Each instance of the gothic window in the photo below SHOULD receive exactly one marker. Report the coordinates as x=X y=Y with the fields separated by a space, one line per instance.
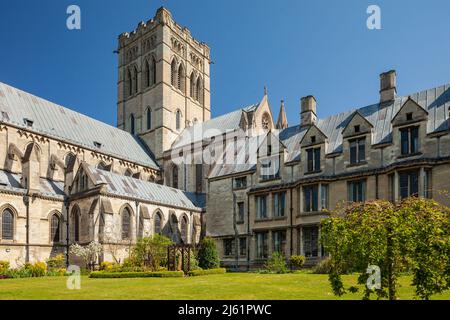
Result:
x=174 y=73
x=184 y=229
x=157 y=223
x=76 y=224
x=199 y=93
x=128 y=83
x=126 y=224
x=198 y=177
x=102 y=166
x=193 y=86
x=265 y=122
x=178 y=120
x=132 y=124
x=70 y=162
x=175 y=177
x=181 y=77
x=135 y=80
x=153 y=71
x=128 y=173
x=149 y=119
x=147 y=74
x=7 y=225
x=55 y=228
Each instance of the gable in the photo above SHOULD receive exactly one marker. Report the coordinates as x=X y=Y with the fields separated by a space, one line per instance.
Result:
x=312 y=137
x=357 y=125
x=412 y=109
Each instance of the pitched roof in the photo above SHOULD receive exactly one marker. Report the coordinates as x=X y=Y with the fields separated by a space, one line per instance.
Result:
x=48 y=118
x=120 y=185
x=207 y=129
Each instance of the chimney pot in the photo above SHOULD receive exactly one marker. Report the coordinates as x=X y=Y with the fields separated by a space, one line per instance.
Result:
x=308 y=107
x=388 y=86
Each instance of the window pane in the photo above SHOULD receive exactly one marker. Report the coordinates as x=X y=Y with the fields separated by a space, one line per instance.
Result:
x=414 y=140
x=404 y=141
x=404 y=185
x=352 y=152
x=310 y=160
x=414 y=184
x=361 y=150
x=7 y=225
x=317 y=159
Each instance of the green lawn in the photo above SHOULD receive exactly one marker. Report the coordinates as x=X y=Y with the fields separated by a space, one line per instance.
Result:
x=227 y=286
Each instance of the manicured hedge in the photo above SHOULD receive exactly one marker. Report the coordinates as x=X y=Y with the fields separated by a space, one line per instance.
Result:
x=160 y=274
x=200 y=272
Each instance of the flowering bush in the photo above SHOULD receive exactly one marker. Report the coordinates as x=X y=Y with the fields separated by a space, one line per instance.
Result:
x=89 y=253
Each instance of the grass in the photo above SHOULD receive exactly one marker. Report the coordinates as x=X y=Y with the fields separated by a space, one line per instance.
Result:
x=238 y=286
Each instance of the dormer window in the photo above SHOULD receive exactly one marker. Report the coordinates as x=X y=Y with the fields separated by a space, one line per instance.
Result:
x=28 y=122
x=97 y=144
x=409 y=116
x=409 y=140
x=357 y=129
x=313 y=160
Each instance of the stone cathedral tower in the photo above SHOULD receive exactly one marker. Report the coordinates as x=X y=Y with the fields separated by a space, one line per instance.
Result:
x=163 y=83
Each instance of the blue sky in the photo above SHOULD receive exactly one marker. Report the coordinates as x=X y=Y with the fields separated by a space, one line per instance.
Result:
x=294 y=47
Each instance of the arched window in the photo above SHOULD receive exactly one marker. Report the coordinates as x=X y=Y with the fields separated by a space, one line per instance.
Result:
x=193 y=86
x=157 y=223
x=195 y=121
x=174 y=73
x=55 y=227
x=175 y=177
x=128 y=83
x=7 y=225
x=149 y=119
x=126 y=223
x=135 y=80
x=199 y=93
x=132 y=124
x=76 y=224
x=184 y=229
x=178 y=120
x=153 y=81
x=265 y=122
x=128 y=173
x=199 y=177
x=102 y=166
x=70 y=162
x=147 y=74
x=181 y=77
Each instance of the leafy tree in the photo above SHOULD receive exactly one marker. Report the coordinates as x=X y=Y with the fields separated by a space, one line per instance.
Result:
x=208 y=257
x=412 y=235
x=151 y=252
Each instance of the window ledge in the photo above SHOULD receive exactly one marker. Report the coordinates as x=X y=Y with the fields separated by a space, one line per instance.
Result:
x=312 y=172
x=358 y=164
x=403 y=156
x=240 y=188
x=269 y=179
x=240 y=222
x=280 y=218
x=263 y=219
x=312 y=213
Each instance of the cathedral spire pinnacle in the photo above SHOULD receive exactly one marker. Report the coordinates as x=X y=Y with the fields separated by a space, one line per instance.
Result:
x=282 y=119
x=265 y=91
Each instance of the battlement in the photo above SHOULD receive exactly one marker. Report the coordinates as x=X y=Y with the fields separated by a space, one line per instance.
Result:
x=163 y=17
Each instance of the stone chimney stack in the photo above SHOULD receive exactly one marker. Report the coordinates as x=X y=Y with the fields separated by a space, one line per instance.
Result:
x=308 y=115
x=388 y=86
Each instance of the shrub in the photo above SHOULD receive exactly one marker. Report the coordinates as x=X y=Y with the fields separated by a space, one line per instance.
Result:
x=276 y=263
x=89 y=253
x=194 y=262
x=159 y=274
x=38 y=269
x=208 y=257
x=57 y=272
x=57 y=262
x=323 y=267
x=151 y=252
x=297 y=261
x=200 y=272
x=107 y=266
x=4 y=266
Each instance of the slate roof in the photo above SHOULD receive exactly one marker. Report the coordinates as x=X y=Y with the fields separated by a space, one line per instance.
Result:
x=204 y=130
x=435 y=101
x=11 y=181
x=120 y=185
x=65 y=124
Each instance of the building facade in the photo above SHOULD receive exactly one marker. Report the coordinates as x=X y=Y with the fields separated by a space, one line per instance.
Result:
x=254 y=184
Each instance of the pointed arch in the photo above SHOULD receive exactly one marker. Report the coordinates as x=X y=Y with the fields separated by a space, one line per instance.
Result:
x=157 y=222
x=199 y=90
x=193 y=86
x=55 y=227
x=8 y=216
x=126 y=223
x=75 y=223
x=147 y=74
x=128 y=83
x=181 y=78
x=174 y=73
x=178 y=119
x=69 y=162
x=148 y=118
x=135 y=79
x=132 y=124
x=184 y=228
x=175 y=176
x=153 y=71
